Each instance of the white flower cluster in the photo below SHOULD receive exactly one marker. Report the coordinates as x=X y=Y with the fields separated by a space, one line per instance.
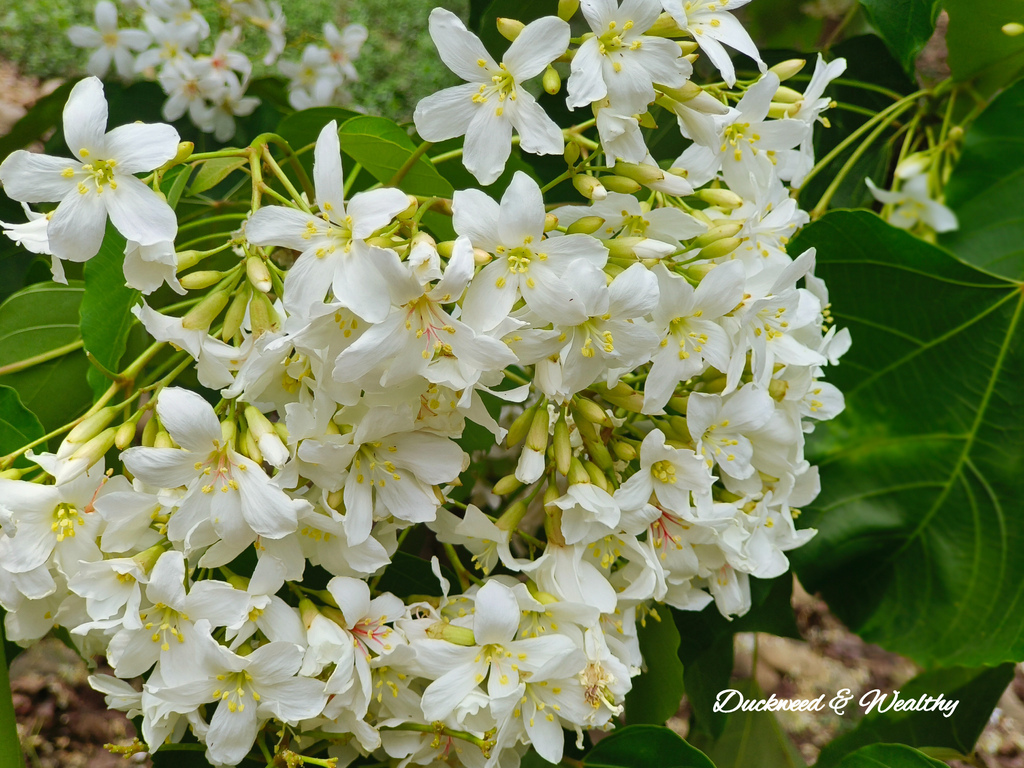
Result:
x=211 y=87
x=659 y=354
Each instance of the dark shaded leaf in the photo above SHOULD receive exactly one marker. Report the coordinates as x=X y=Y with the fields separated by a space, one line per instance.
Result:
x=643 y=746
x=656 y=693
x=904 y=25
x=18 y=425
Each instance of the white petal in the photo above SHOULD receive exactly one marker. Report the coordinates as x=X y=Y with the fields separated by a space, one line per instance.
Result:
x=34 y=178
x=328 y=177
x=459 y=48
x=139 y=213
x=76 y=230
x=475 y=215
x=189 y=419
x=521 y=219
x=540 y=42
x=286 y=227
x=586 y=84
x=446 y=114
x=375 y=209
x=488 y=144
x=538 y=133
x=138 y=147
x=85 y=118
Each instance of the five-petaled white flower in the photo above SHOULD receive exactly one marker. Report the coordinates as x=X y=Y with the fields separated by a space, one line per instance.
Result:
x=99 y=182
x=493 y=102
x=111 y=43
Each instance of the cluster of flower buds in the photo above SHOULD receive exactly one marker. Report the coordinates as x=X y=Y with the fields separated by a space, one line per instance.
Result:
x=648 y=364
x=211 y=87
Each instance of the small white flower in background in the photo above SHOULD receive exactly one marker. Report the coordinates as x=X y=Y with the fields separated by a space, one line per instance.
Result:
x=313 y=79
x=98 y=182
x=913 y=203
x=493 y=103
x=112 y=44
x=344 y=47
x=189 y=86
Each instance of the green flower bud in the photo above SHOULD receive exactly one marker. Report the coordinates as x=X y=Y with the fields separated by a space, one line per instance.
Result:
x=205 y=312
x=720 y=232
x=261 y=314
x=537 y=437
x=446 y=248
x=567 y=9
x=125 y=435
x=597 y=477
x=721 y=198
x=641 y=172
x=442 y=630
x=786 y=69
x=510 y=28
x=562 y=445
x=623 y=451
x=236 y=313
x=621 y=184
x=552 y=81
x=550 y=222
x=589 y=186
x=506 y=485
x=520 y=427
x=571 y=153
x=202 y=279
x=588 y=225
x=720 y=248
x=88 y=428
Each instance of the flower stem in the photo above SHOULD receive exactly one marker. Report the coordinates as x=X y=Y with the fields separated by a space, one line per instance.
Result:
x=409 y=163
x=42 y=357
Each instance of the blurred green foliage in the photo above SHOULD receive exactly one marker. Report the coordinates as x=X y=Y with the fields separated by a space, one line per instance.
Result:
x=398 y=65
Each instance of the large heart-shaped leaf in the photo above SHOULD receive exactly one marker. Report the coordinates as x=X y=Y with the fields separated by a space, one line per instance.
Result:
x=919 y=543
x=986 y=187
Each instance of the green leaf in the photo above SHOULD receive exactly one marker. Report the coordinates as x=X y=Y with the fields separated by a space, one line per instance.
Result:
x=18 y=425
x=44 y=115
x=213 y=172
x=977 y=45
x=39 y=319
x=178 y=185
x=382 y=146
x=904 y=25
x=657 y=693
x=751 y=739
x=889 y=756
x=706 y=644
x=105 y=311
x=976 y=690
x=918 y=539
x=986 y=187
x=643 y=746
x=410 y=575
x=301 y=128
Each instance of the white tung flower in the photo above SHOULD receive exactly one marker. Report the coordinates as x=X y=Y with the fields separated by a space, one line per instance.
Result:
x=493 y=103
x=111 y=43
x=99 y=181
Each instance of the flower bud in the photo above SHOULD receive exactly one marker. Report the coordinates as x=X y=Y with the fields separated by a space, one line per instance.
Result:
x=686 y=47
x=236 y=313
x=663 y=25
x=184 y=152
x=228 y=431
x=506 y=485
x=641 y=172
x=381 y=241
x=577 y=474
x=562 y=445
x=622 y=395
x=550 y=222
x=202 y=279
x=690 y=57
x=688 y=91
x=552 y=81
x=1013 y=28
x=308 y=611
x=725 y=199
x=149 y=432
x=567 y=9
x=12 y=474
x=258 y=274
x=621 y=184
x=678 y=403
x=786 y=69
x=778 y=111
x=88 y=428
x=571 y=152
x=520 y=427
x=445 y=248
x=598 y=453
x=266 y=437
x=510 y=28
x=188 y=259
x=778 y=388
x=716 y=233
x=787 y=95
x=250 y=448
x=591 y=412
x=588 y=225
x=589 y=186
x=481 y=257
x=553 y=517
x=205 y=312
x=623 y=247
x=597 y=477
x=96 y=448
x=408 y=213
x=442 y=630
x=512 y=516
x=262 y=316
x=720 y=248
x=623 y=450
x=537 y=436
x=125 y=435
